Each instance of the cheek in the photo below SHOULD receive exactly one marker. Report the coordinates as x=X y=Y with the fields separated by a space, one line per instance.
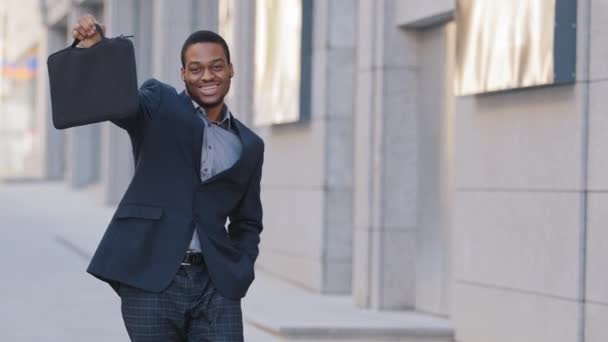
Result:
x=191 y=81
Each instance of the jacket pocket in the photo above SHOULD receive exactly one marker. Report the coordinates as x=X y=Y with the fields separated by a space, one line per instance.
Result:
x=138 y=211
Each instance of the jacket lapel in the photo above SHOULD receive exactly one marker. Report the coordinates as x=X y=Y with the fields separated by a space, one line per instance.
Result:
x=239 y=165
x=197 y=133
x=197 y=147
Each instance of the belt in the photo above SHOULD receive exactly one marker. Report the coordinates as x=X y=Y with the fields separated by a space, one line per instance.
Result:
x=193 y=258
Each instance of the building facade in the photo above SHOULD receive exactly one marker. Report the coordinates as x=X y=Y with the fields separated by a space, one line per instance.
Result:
x=20 y=133
x=488 y=210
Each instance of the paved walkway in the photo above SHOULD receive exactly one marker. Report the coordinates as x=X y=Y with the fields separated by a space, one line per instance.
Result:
x=49 y=234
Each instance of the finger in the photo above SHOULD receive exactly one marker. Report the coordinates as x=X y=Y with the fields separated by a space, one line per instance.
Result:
x=82 y=32
x=82 y=22
x=76 y=34
x=84 y=26
x=91 y=25
x=79 y=36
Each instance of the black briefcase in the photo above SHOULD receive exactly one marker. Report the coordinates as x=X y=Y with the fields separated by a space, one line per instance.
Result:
x=93 y=84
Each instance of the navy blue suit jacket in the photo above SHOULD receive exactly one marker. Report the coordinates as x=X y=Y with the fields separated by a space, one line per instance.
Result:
x=152 y=227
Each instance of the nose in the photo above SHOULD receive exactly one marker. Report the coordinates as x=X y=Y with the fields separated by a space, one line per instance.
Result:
x=207 y=75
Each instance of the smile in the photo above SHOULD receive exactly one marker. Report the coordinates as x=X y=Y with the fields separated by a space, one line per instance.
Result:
x=209 y=90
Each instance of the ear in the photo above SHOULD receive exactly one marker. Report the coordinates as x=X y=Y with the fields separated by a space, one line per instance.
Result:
x=182 y=74
x=231 y=69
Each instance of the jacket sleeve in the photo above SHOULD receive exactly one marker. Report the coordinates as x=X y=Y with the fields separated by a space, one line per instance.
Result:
x=246 y=220
x=149 y=101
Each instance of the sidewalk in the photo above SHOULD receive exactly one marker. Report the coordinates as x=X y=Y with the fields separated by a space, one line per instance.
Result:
x=292 y=314
x=49 y=235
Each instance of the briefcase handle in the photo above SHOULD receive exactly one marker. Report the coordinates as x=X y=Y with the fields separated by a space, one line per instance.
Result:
x=99 y=30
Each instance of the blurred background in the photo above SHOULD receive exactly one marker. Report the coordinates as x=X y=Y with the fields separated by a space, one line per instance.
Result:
x=435 y=170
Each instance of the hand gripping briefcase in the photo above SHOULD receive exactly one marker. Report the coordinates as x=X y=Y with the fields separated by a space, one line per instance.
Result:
x=93 y=84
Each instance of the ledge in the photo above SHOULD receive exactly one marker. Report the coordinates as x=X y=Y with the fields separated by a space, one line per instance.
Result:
x=287 y=312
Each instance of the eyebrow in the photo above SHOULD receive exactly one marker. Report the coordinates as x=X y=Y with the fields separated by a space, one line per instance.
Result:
x=219 y=59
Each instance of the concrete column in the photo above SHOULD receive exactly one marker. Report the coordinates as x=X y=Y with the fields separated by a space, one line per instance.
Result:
x=204 y=15
x=386 y=160
x=82 y=155
x=53 y=140
x=332 y=102
x=83 y=143
x=121 y=17
x=142 y=32
x=173 y=22
x=435 y=133
x=240 y=98
x=117 y=163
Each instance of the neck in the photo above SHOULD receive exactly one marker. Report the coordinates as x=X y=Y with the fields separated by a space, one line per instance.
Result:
x=214 y=113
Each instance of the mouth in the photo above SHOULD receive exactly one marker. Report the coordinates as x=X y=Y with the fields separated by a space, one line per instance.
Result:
x=209 y=90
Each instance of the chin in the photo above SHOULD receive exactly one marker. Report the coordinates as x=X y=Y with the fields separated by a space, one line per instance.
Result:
x=212 y=103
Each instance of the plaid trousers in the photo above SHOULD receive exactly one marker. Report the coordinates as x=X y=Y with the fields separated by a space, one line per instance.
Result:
x=190 y=309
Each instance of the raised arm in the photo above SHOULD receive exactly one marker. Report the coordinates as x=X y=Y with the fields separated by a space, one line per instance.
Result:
x=149 y=94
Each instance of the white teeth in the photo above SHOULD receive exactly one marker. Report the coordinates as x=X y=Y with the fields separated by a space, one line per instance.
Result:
x=209 y=90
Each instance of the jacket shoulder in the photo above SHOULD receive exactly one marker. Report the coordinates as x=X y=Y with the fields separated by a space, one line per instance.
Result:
x=255 y=138
x=152 y=93
x=157 y=86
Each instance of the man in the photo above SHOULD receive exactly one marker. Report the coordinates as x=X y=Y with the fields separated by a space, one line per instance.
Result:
x=180 y=274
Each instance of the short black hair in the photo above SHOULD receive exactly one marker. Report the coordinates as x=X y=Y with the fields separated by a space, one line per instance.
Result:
x=204 y=36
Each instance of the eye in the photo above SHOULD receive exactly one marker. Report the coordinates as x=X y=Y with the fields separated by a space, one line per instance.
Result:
x=194 y=68
x=218 y=67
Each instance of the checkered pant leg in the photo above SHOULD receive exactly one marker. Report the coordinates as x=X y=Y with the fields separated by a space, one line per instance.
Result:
x=190 y=309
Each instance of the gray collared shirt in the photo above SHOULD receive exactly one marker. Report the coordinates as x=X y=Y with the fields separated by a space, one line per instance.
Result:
x=221 y=149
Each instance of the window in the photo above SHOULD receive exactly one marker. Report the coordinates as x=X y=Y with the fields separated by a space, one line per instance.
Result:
x=513 y=44
x=282 y=61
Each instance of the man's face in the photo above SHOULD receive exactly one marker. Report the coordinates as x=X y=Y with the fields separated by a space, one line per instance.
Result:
x=207 y=74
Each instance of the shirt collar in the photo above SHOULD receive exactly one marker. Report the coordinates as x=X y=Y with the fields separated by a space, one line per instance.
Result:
x=225 y=121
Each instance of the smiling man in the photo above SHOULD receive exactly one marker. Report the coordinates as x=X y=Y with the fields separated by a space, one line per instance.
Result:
x=180 y=273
